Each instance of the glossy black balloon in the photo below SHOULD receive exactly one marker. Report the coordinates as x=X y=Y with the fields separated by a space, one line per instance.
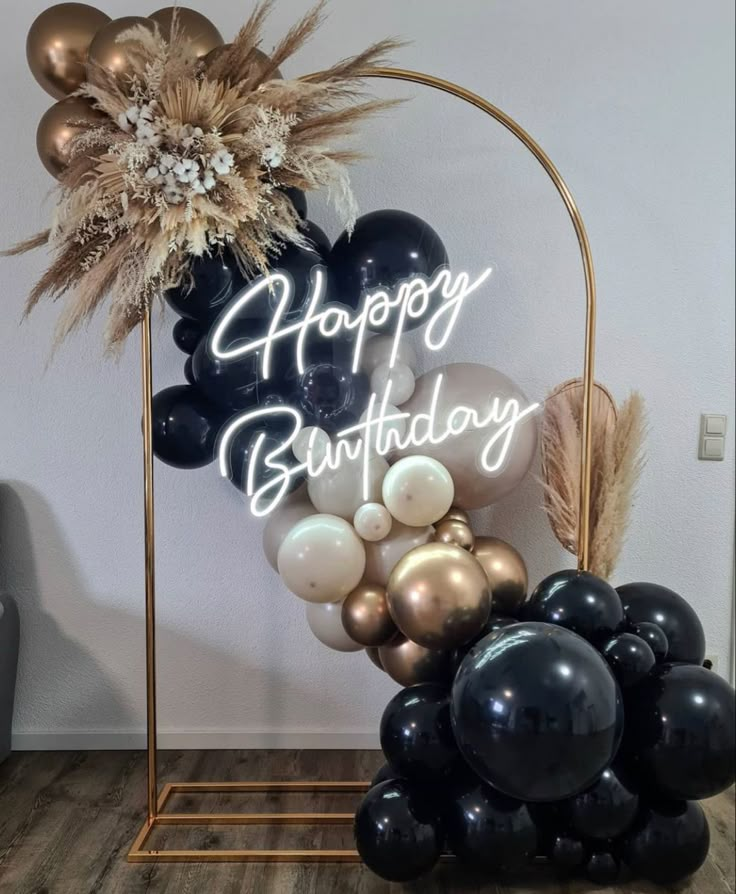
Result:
x=668 y=610
x=603 y=868
x=630 y=658
x=331 y=396
x=298 y=200
x=188 y=371
x=250 y=445
x=608 y=808
x=186 y=334
x=655 y=636
x=214 y=280
x=485 y=828
x=384 y=774
x=319 y=239
x=681 y=732
x=537 y=712
x=579 y=601
x=397 y=835
x=494 y=623
x=568 y=853
x=185 y=427
x=668 y=842
x=416 y=733
x=385 y=248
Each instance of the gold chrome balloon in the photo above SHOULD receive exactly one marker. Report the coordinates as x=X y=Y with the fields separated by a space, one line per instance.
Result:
x=452 y=531
x=55 y=131
x=372 y=653
x=105 y=49
x=57 y=44
x=506 y=573
x=438 y=596
x=365 y=616
x=408 y=663
x=456 y=514
x=199 y=30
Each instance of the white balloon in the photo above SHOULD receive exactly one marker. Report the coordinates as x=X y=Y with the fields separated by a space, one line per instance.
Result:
x=321 y=559
x=372 y=521
x=401 y=378
x=377 y=350
x=382 y=556
x=294 y=508
x=320 y=441
x=340 y=491
x=418 y=490
x=325 y=622
x=397 y=425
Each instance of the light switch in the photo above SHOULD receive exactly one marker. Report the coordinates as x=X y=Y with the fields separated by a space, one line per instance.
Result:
x=712 y=436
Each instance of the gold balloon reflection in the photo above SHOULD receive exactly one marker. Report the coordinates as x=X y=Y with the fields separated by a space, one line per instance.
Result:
x=506 y=573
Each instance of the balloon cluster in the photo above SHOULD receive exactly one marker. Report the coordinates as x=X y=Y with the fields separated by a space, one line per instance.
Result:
x=584 y=730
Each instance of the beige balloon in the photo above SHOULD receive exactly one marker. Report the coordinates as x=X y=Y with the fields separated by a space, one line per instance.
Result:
x=408 y=663
x=325 y=622
x=417 y=490
x=293 y=509
x=341 y=491
x=57 y=45
x=457 y=532
x=365 y=616
x=438 y=596
x=378 y=350
x=475 y=386
x=201 y=34
x=110 y=53
x=57 y=129
x=506 y=573
x=381 y=557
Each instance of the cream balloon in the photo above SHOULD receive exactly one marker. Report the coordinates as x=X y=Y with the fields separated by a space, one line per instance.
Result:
x=321 y=559
x=397 y=425
x=377 y=350
x=341 y=491
x=418 y=490
x=400 y=378
x=382 y=557
x=372 y=522
x=314 y=436
x=474 y=386
x=278 y=524
x=325 y=622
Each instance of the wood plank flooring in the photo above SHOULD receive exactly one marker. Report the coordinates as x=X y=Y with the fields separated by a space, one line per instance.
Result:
x=67 y=820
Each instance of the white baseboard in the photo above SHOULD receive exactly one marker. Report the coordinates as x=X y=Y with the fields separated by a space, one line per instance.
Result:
x=124 y=740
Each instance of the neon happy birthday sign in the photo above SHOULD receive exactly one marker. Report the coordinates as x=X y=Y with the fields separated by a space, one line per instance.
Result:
x=379 y=432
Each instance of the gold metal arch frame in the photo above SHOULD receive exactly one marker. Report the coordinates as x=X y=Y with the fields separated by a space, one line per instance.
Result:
x=157 y=802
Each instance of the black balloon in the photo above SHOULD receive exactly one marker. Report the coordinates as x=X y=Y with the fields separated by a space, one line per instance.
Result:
x=494 y=623
x=579 y=601
x=298 y=200
x=568 y=853
x=203 y=295
x=384 y=248
x=416 y=733
x=603 y=868
x=630 y=657
x=537 y=712
x=235 y=384
x=185 y=427
x=655 y=636
x=189 y=372
x=681 y=732
x=253 y=443
x=668 y=842
x=668 y=610
x=186 y=335
x=319 y=239
x=397 y=834
x=331 y=396
x=384 y=774
x=487 y=829
x=608 y=808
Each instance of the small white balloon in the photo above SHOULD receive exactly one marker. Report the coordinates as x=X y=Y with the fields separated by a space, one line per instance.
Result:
x=372 y=522
x=401 y=379
x=311 y=437
x=325 y=622
x=321 y=559
x=377 y=350
x=418 y=490
x=396 y=425
x=341 y=491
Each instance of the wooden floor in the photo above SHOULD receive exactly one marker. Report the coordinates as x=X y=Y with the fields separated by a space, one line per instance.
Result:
x=67 y=820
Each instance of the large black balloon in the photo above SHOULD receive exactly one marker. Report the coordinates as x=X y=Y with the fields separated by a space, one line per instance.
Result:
x=608 y=808
x=185 y=427
x=488 y=829
x=186 y=334
x=631 y=658
x=579 y=601
x=236 y=384
x=397 y=834
x=416 y=733
x=384 y=248
x=668 y=610
x=384 y=774
x=494 y=623
x=668 y=842
x=203 y=295
x=655 y=636
x=681 y=732
x=537 y=712
x=331 y=396
x=319 y=239
x=263 y=437
x=298 y=200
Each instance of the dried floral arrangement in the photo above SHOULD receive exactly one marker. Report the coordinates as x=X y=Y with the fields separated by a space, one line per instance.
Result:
x=181 y=158
x=617 y=453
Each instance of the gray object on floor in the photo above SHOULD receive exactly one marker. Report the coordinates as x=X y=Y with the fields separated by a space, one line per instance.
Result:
x=9 y=635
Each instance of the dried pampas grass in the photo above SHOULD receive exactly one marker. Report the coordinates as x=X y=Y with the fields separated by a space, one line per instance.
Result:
x=617 y=460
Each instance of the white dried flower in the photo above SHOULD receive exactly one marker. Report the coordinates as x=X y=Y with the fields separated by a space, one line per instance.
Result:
x=222 y=161
x=153 y=173
x=273 y=156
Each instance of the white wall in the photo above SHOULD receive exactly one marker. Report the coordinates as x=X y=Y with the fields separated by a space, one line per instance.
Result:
x=634 y=102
